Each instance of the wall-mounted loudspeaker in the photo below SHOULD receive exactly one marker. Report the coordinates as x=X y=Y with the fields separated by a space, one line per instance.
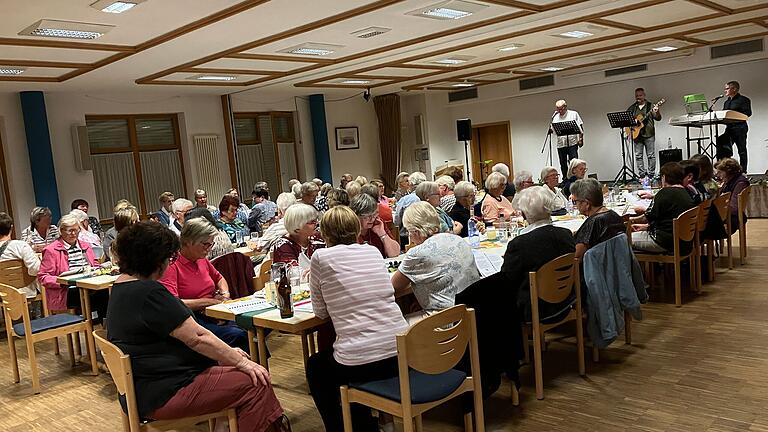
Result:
x=81 y=148
x=464 y=129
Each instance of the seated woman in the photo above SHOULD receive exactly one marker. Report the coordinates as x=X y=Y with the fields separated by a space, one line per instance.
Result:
x=538 y=243
x=347 y=279
x=494 y=203
x=550 y=179
x=696 y=190
x=734 y=181
x=403 y=186
x=301 y=225
x=523 y=180
x=440 y=266
x=18 y=250
x=221 y=243
x=68 y=253
x=577 y=169
x=445 y=186
x=231 y=224
x=86 y=234
x=372 y=229
x=465 y=193
x=40 y=233
x=373 y=189
x=706 y=174
x=180 y=369
x=111 y=234
x=652 y=231
x=93 y=222
x=337 y=197
x=601 y=223
x=277 y=229
x=123 y=218
x=429 y=192
x=193 y=279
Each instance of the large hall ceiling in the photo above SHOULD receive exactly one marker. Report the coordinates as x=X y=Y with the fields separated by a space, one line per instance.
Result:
x=162 y=44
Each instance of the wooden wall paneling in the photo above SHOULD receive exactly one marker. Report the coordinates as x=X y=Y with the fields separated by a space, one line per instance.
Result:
x=230 y=139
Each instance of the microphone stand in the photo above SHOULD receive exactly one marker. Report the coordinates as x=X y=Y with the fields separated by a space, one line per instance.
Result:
x=712 y=120
x=548 y=138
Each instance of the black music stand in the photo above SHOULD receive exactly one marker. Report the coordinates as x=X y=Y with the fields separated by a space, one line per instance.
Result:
x=566 y=128
x=620 y=120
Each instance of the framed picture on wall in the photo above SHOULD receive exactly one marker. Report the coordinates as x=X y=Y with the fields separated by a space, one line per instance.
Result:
x=347 y=138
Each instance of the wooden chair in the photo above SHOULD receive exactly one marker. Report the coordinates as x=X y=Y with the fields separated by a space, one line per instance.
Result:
x=743 y=200
x=554 y=282
x=683 y=229
x=426 y=354
x=119 y=366
x=15 y=307
x=701 y=225
x=393 y=231
x=265 y=272
x=719 y=205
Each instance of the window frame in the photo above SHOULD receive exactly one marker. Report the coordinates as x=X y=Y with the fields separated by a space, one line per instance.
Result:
x=273 y=116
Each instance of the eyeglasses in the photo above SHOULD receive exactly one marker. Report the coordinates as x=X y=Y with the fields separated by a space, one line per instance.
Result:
x=72 y=231
x=207 y=244
x=577 y=201
x=370 y=216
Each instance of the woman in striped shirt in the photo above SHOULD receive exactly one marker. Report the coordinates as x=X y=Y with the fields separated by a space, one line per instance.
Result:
x=350 y=284
x=40 y=233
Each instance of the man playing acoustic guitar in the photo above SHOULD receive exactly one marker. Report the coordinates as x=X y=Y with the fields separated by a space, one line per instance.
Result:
x=645 y=115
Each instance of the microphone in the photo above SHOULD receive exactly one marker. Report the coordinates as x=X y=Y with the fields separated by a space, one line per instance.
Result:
x=549 y=130
x=714 y=99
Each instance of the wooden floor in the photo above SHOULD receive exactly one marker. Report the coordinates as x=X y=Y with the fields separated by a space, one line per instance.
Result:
x=699 y=368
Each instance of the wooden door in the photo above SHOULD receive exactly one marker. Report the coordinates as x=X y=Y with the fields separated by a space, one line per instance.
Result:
x=491 y=144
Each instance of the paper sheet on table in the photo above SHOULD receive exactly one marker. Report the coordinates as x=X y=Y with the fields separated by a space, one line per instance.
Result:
x=635 y=201
x=487 y=264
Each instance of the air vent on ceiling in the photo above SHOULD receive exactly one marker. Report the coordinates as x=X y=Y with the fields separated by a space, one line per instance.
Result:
x=370 y=32
x=536 y=82
x=626 y=70
x=66 y=29
x=462 y=95
x=737 y=48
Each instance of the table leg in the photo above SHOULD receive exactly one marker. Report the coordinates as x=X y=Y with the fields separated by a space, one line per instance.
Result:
x=85 y=304
x=253 y=351
x=261 y=333
x=312 y=349
x=305 y=348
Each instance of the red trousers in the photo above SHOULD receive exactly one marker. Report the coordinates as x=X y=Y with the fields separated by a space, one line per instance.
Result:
x=221 y=387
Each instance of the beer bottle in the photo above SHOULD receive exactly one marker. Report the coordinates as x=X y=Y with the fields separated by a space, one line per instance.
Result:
x=284 y=294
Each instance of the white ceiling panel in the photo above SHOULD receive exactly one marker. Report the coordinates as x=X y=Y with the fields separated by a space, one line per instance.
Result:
x=42 y=72
x=661 y=14
x=736 y=4
x=267 y=65
x=736 y=31
x=185 y=76
x=52 y=54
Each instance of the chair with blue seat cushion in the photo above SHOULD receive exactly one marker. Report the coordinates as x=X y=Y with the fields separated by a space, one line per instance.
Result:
x=427 y=354
x=32 y=331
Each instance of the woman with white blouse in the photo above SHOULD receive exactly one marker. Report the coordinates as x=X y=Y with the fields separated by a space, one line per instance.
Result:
x=350 y=285
x=550 y=178
x=40 y=232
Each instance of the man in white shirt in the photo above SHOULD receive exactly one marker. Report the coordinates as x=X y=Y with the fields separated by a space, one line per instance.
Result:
x=180 y=208
x=567 y=145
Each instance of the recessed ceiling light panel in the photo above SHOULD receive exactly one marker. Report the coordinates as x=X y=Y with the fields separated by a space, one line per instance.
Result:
x=453 y=60
x=222 y=78
x=115 y=6
x=355 y=82
x=665 y=48
x=449 y=10
x=463 y=84
x=510 y=47
x=370 y=32
x=11 y=71
x=576 y=34
x=552 y=69
x=312 y=49
x=66 y=29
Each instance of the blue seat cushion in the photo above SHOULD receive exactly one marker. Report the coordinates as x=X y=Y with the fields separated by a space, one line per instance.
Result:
x=424 y=387
x=48 y=323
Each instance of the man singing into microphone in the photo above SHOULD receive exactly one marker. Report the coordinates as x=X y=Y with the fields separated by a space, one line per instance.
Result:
x=735 y=133
x=568 y=145
x=645 y=142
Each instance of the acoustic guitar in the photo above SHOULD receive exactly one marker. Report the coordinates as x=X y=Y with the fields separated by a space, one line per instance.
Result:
x=635 y=130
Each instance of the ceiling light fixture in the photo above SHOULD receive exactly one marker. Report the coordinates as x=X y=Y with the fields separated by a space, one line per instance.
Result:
x=355 y=82
x=552 y=69
x=510 y=47
x=214 y=77
x=11 y=71
x=312 y=49
x=370 y=32
x=115 y=6
x=576 y=34
x=449 y=10
x=446 y=13
x=66 y=29
x=453 y=60
x=463 y=84
x=665 y=48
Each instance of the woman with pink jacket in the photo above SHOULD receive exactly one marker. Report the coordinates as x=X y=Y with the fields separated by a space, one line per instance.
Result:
x=66 y=253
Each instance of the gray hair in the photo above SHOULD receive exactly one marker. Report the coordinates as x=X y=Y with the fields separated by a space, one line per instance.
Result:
x=353 y=189
x=68 y=220
x=325 y=188
x=463 y=189
x=494 y=180
x=364 y=205
x=370 y=189
x=588 y=189
x=296 y=189
x=200 y=192
x=180 y=203
x=421 y=217
x=361 y=180
x=425 y=189
x=37 y=214
x=446 y=181
x=317 y=181
x=79 y=214
x=400 y=177
x=297 y=215
x=309 y=187
x=197 y=230
x=547 y=170
x=292 y=182
x=573 y=164
x=501 y=168
x=285 y=200
x=521 y=177
x=416 y=177
x=535 y=202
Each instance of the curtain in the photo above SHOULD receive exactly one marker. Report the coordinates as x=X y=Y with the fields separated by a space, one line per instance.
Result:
x=388 y=116
x=114 y=175
x=160 y=172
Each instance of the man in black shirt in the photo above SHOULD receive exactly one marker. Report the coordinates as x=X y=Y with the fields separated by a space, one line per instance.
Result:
x=735 y=133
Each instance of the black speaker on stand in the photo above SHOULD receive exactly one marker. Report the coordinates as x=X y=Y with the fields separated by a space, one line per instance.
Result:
x=464 y=133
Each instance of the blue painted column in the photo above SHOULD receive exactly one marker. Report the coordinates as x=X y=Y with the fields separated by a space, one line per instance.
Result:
x=320 y=136
x=39 y=149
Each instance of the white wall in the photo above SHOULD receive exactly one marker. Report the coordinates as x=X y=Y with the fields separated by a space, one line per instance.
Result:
x=593 y=97
x=366 y=160
x=22 y=195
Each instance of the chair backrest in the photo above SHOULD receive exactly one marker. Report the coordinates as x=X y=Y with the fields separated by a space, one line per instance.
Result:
x=684 y=226
x=119 y=365
x=705 y=208
x=14 y=303
x=553 y=282
x=744 y=199
x=237 y=270
x=15 y=273
x=436 y=344
x=265 y=273
x=721 y=205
